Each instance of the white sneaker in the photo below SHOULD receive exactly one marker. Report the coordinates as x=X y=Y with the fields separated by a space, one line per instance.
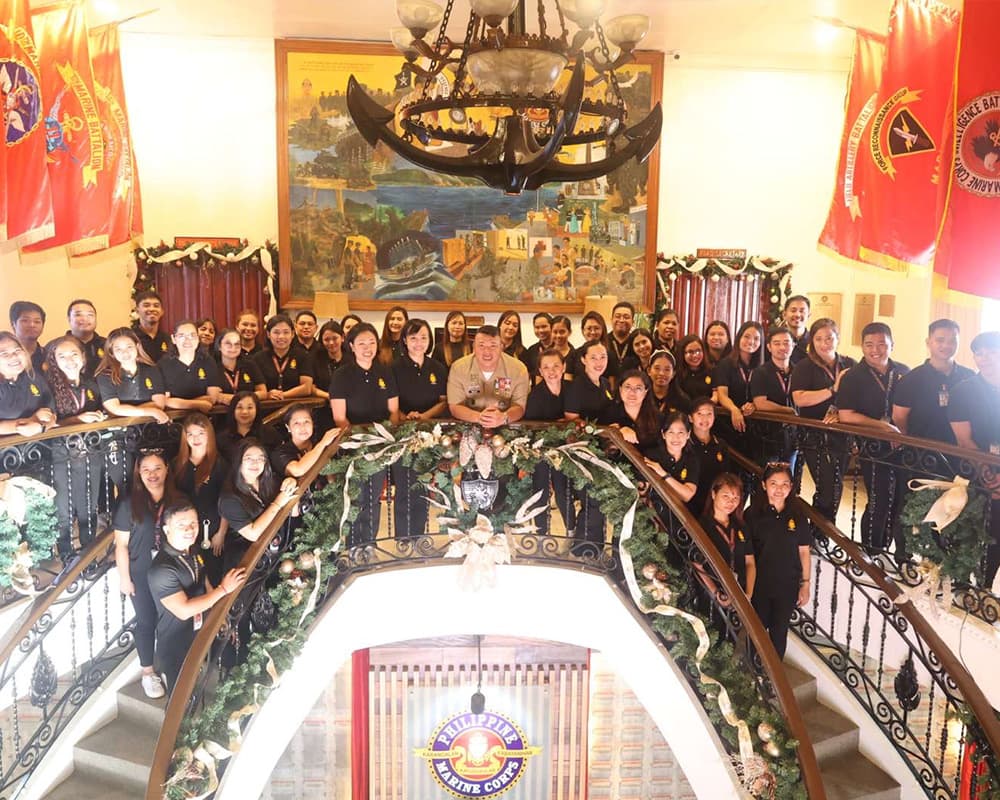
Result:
x=152 y=686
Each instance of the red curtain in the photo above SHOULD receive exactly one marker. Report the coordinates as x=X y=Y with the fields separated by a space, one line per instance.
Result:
x=699 y=300
x=360 y=665
x=220 y=292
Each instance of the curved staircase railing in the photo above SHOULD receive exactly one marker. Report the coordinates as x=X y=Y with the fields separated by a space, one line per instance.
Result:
x=892 y=459
x=882 y=649
x=194 y=685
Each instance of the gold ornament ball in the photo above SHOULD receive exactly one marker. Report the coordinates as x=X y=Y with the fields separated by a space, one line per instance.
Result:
x=448 y=453
x=765 y=731
x=307 y=561
x=446 y=441
x=287 y=565
x=772 y=749
x=497 y=441
x=774 y=298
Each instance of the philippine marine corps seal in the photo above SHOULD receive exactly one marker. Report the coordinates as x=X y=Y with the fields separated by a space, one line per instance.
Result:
x=977 y=146
x=477 y=755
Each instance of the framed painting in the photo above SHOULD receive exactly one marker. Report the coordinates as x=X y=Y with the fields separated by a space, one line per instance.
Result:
x=365 y=221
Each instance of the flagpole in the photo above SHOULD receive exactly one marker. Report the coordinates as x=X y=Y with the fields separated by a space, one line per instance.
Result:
x=120 y=22
x=837 y=22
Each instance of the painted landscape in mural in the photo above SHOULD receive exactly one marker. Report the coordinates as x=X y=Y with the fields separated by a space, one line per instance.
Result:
x=367 y=222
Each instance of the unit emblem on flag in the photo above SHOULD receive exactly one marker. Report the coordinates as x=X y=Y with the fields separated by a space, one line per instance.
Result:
x=896 y=132
x=977 y=146
x=20 y=100
x=477 y=755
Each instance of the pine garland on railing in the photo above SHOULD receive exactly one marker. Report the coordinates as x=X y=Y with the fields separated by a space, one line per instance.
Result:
x=437 y=454
x=28 y=529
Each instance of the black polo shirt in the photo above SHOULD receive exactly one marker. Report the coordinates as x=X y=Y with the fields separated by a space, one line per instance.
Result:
x=977 y=402
x=284 y=373
x=530 y=358
x=23 y=396
x=189 y=381
x=134 y=390
x=592 y=402
x=696 y=384
x=144 y=535
x=324 y=368
x=774 y=538
x=863 y=390
x=93 y=352
x=542 y=405
x=736 y=378
x=807 y=375
x=311 y=349
x=239 y=512
x=800 y=350
x=685 y=469
x=712 y=460
x=206 y=495
x=156 y=347
x=229 y=439
x=731 y=542
x=86 y=397
x=244 y=378
x=419 y=387
x=171 y=572
x=284 y=454
x=674 y=400
x=252 y=351
x=366 y=392
x=927 y=394
x=774 y=384
x=647 y=444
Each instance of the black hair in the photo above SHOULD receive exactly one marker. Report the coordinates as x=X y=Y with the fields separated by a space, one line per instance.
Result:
x=80 y=301
x=305 y=312
x=675 y=416
x=277 y=320
x=876 y=328
x=292 y=410
x=19 y=307
x=147 y=294
x=623 y=304
x=937 y=324
x=799 y=298
x=414 y=326
x=177 y=506
x=357 y=330
x=488 y=330
x=987 y=340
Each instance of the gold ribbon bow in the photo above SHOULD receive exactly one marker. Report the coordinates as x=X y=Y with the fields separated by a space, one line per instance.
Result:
x=949 y=505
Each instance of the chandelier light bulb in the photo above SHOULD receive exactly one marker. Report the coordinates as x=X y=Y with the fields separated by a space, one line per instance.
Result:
x=494 y=11
x=627 y=30
x=419 y=16
x=583 y=12
x=402 y=40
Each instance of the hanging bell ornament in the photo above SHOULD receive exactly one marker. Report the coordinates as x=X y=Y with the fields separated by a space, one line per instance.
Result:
x=497 y=441
x=307 y=561
x=287 y=566
x=772 y=749
x=765 y=731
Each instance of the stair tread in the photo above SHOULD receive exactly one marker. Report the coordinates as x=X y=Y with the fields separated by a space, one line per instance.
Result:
x=79 y=786
x=798 y=677
x=134 y=691
x=123 y=738
x=824 y=723
x=853 y=776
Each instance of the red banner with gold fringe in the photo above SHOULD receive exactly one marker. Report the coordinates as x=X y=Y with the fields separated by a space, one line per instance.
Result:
x=909 y=140
x=119 y=181
x=73 y=127
x=25 y=193
x=842 y=232
x=969 y=249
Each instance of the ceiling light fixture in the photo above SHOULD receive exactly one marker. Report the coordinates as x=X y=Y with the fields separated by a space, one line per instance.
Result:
x=510 y=76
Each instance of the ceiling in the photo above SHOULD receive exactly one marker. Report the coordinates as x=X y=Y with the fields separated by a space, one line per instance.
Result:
x=762 y=33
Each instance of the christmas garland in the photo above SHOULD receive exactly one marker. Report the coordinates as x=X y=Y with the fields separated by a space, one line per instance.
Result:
x=957 y=549
x=438 y=456
x=206 y=256
x=777 y=277
x=28 y=528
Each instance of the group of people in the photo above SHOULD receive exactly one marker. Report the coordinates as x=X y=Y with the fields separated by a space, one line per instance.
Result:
x=183 y=523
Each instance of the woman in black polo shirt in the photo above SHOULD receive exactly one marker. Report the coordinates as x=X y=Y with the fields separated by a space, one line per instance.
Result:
x=190 y=375
x=814 y=384
x=722 y=521
x=285 y=366
x=295 y=457
x=636 y=413
x=718 y=342
x=25 y=398
x=131 y=385
x=693 y=376
x=77 y=466
x=422 y=382
x=200 y=473
x=561 y=329
x=778 y=556
x=594 y=329
x=361 y=393
x=639 y=352
x=244 y=420
x=238 y=371
x=589 y=395
x=329 y=357
x=509 y=325
x=391 y=343
x=665 y=394
x=456 y=340
x=136 y=524
x=674 y=462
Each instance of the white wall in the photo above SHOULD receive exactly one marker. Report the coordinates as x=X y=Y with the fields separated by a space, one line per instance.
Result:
x=748 y=160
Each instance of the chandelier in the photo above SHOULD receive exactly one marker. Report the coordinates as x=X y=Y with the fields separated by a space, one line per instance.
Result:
x=508 y=76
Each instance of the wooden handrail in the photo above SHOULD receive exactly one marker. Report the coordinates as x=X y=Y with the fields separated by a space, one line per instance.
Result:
x=41 y=604
x=899 y=439
x=966 y=684
x=180 y=695
x=808 y=765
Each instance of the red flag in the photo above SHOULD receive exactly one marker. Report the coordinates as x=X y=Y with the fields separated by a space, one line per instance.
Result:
x=25 y=194
x=119 y=182
x=910 y=137
x=970 y=241
x=842 y=233
x=75 y=143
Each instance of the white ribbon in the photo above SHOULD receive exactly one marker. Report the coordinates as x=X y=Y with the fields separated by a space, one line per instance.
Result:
x=311 y=602
x=13 y=496
x=949 y=506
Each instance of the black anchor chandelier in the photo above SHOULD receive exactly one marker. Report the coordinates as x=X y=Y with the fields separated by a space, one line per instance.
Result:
x=512 y=74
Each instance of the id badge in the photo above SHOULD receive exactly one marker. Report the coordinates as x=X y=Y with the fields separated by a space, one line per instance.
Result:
x=943 y=398
x=197 y=621
x=995 y=449
x=473 y=390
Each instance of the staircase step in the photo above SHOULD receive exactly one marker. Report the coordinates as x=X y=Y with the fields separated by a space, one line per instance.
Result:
x=832 y=734
x=89 y=787
x=134 y=705
x=119 y=753
x=803 y=685
x=852 y=777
